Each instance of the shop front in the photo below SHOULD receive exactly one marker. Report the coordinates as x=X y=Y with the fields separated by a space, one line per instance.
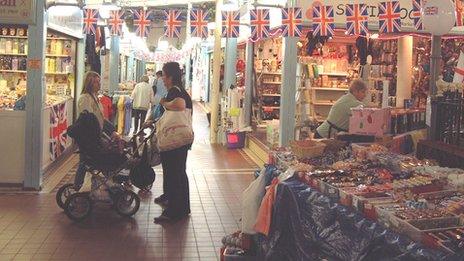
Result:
x=62 y=58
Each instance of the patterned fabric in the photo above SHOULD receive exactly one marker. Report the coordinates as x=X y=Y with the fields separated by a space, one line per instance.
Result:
x=173 y=23
x=115 y=22
x=199 y=23
x=260 y=24
x=356 y=19
x=292 y=23
x=142 y=22
x=90 y=21
x=230 y=24
x=58 y=130
x=459 y=13
x=416 y=14
x=389 y=17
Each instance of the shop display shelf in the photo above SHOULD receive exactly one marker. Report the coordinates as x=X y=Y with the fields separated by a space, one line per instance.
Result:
x=329 y=89
x=269 y=73
x=58 y=55
x=12 y=71
x=57 y=38
x=14 y=37
x=340 y=74
x=56 y=73
x=271 y=95
x=13 y=54
x=275 y=83
x=271 y=107
x=323 y=103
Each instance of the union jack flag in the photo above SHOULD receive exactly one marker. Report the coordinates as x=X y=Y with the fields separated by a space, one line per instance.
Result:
x=142 y=21
x=389 y=17
x=116 y=21
x=323 y=20
x=356 y=19
x=260 y=24
x=199 y=23
x=58 y=130
x=90 y=21
x=291 y=22
x=173 y=23
x=416 y=14
x=231 y=24
x=459 y=13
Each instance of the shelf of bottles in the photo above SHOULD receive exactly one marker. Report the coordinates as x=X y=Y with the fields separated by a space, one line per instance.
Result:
x=59 y=67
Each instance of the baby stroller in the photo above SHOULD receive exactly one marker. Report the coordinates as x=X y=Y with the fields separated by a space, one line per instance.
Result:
x=106 y=167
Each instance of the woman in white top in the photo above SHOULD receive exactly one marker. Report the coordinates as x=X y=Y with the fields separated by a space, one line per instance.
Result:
x=142 y=98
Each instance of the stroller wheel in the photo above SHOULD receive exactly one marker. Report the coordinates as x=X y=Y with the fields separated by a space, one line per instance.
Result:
x=78 y=206
x=64 y=193
x=127 y=203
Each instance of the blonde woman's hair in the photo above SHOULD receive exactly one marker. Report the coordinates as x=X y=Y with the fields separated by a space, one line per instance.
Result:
x=145 y=78
x=88 y=81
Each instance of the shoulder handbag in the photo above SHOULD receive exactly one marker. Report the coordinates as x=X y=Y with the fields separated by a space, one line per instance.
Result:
x=174 y=130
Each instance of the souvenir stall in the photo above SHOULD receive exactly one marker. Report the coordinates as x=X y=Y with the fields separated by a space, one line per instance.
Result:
x=63 y=40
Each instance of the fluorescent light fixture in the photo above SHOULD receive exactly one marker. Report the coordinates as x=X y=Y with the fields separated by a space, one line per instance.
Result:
x=106 y=8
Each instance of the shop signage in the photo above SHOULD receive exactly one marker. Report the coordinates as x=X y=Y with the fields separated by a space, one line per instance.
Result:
x=66 y=19
x=17 y=11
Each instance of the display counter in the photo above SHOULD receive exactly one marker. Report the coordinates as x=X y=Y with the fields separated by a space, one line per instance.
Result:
x=12 y=129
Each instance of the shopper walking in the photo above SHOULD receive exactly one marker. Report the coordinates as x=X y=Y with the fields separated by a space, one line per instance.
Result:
x=88 y=101
x=142 y=96
x=175 y=181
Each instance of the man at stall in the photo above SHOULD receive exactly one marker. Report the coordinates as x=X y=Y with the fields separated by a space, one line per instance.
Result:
x=339 y=115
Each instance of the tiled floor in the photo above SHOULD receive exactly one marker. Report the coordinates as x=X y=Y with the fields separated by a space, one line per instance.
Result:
x=32 y=227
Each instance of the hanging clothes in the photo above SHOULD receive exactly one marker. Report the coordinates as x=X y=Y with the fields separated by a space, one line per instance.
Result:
x=115 y=110
x=121 y=105
x=128 y=115
x=93 y=58
x=107 y=104
x=263 y=222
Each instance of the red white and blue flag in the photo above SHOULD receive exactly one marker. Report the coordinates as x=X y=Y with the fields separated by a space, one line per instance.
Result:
x=389 y=17
x=142 y=22
x=58 y=130
x=199 y=23
x=416 y=14
x=459 y=13
x=173 y=23
x=260 y=23
x=231 y=24
x=356 y=19
x=323 y=20
x=90 y=21
x=292 y=23
x=115 y=22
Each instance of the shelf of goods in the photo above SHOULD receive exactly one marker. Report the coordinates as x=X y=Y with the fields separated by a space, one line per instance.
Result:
x=269 y=94
x=411 y=197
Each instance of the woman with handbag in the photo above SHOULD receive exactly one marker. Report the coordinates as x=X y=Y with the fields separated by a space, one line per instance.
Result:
x=175 y=137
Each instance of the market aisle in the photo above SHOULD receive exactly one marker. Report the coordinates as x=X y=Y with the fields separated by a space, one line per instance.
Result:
x=32 y=227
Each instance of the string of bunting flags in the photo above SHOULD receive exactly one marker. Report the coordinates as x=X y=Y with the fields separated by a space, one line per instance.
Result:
x=323 y=20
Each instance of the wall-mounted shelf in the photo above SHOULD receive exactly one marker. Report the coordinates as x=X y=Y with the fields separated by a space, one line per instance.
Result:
x=329 y=89
x=270 y=95
x=340 y=74
x=269 y=73
x=24 y=54
x=323 y=103
x=276 y=83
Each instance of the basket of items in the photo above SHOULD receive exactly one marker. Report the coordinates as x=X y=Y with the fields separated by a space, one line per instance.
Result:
x=307 y=148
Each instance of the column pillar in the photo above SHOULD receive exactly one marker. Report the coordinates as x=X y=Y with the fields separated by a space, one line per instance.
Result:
x=247 y=107
x=35 y=97
x=216 y=74
x=404 y=79
x=435 y=58
x=114 y=64
x=230 y=77
x=288 y=91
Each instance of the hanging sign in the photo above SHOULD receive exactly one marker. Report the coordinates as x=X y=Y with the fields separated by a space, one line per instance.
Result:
x=17 y=11
x=66 y=19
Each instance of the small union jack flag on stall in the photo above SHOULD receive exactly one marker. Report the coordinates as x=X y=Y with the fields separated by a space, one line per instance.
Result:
x=292 y=22
x=199 y=23
x=58 y=130
x=459 y=13
x=231 y=24
x=323 y=20
x=115 y=22
x=142 y=22
x=389 y=17
x=356 y=19
x=260 y=23
x=173 y=23
x=90 y=21
x=416 y=14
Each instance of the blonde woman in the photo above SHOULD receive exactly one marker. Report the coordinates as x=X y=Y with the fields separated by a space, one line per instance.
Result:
x=88 y=101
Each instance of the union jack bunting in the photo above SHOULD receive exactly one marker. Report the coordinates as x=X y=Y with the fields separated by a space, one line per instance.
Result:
x=260 y=24
x=356 y=19
x=416 y=14
x=58 y=130
x=291 y=22
x=459 y=13
x=142 y=22
x=323 y=20
x=173 y=23
x=199 y=23
x=90 y=21
x=389 y=17
x=230 y=24
x=115 y=22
